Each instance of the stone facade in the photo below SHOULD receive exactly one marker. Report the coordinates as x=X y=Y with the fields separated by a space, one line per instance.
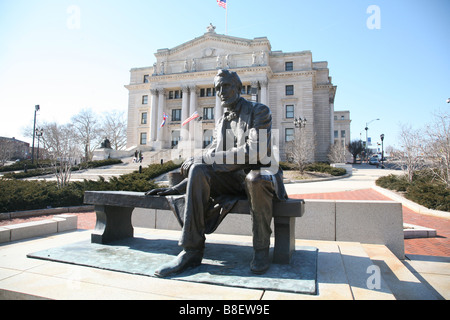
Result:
x=181 y=82
x=342 y=127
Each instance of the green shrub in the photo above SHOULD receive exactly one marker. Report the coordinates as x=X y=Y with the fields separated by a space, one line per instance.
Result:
x=286 y=166
x=431 y=195
x=16 y=195
x=422 y=190
x=325 y=168
x=393 y=182
x=17 y=166
x=28 y=174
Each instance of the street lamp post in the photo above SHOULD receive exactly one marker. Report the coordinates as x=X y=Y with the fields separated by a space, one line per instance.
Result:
x=382 y=150
x=36 y=109
x=367 y=129
x=39 y=133
x=300 y=123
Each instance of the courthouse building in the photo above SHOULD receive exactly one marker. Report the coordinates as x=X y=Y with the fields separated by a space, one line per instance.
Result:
x=180 y=82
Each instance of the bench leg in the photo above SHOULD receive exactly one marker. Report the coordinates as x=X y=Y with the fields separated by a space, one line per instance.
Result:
x=284 y=239
x=113 y=223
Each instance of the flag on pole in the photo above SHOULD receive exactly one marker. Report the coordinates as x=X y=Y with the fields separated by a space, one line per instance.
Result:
x=192 y=117
x=164 y=120
x=222 y=3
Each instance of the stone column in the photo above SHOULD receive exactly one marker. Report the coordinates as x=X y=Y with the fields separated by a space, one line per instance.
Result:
x=192 y=108
x=263 y=99
x=218 y=110
x=184 y=113
x=154 y=114
x=161 y=107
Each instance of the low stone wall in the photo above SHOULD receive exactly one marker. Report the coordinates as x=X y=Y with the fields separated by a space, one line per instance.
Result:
x=373 y=222
x=60 y=223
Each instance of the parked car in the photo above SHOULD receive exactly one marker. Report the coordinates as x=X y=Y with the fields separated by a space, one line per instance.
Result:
x=374 y=160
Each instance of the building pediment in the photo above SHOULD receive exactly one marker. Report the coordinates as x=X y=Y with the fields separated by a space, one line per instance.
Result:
x=212 y=51
x=213 y=44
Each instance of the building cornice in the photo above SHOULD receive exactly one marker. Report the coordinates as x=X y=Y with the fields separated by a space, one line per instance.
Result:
x=256 y=42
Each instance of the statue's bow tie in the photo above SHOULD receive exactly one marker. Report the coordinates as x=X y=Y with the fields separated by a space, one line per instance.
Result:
x=230 y=115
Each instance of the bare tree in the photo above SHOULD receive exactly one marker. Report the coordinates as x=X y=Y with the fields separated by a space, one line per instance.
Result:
x=337 y=153
x=87 y=131
x=410 y=155
x=60 y=143
x=437 y=148
x=301 y=149
x=114 y=127
x=355 y=147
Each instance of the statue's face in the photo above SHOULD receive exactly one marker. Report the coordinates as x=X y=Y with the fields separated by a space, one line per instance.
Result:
x=227 y=91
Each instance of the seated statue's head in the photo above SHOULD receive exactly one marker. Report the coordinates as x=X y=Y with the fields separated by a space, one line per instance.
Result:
x=228 y=87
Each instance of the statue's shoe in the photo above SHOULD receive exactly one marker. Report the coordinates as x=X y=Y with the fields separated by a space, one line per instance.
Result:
x=261 y=261
x=185 y=260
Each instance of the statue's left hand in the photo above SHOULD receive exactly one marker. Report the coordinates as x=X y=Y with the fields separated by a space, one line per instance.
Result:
x=162 y=192
x=186 y=166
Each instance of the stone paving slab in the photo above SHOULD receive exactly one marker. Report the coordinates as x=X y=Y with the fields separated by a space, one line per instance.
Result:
x=224 y=263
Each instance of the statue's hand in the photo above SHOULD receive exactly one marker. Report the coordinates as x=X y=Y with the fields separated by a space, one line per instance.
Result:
x=186 y=166
x=184 y=169
x=162 y=192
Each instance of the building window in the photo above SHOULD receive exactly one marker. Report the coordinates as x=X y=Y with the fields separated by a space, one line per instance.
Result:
x=246 y=90
x=144 y=118
x=289 y=112
x=289 y=66
x=176 y=114
x=207 y=92
x=175 y=94
x=336 y=134
x=143 y=139
x=146 y=77
x=208 y=113
x=290 y=90
x=175 y=137
x=207 y=138
x=342 y=133
x=144 y=99
x=288 y=134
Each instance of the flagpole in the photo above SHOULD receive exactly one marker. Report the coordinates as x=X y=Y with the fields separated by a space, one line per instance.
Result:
x=226 y=19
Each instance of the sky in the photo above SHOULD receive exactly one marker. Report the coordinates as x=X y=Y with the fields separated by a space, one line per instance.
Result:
x=390 y=60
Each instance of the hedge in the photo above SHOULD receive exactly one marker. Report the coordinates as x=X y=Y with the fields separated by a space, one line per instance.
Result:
x=16 y=195
x=422 y=190
x=326 y=168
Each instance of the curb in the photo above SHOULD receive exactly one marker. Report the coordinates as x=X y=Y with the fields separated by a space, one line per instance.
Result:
x=39 y=212
x=287 y=181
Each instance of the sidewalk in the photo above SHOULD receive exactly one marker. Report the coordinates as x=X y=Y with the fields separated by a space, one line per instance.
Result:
x=342 y=274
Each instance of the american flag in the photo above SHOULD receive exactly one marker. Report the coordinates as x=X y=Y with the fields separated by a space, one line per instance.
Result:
x=222 y=3
x=192 y=117
x=164 y=120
